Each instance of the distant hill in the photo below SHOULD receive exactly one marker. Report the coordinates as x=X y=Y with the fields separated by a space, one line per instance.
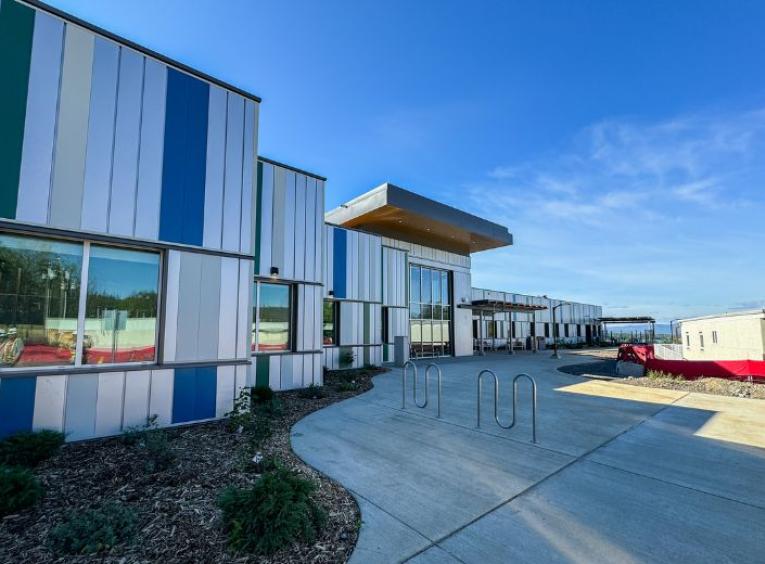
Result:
x=661 y=328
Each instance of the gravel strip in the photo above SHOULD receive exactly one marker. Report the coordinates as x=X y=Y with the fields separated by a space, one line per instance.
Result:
x=177 y=513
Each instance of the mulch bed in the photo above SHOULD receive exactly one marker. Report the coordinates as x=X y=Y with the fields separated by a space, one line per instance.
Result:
x=178 y=519
x=716 y=386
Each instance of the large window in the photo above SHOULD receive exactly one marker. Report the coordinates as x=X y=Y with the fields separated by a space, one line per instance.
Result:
x=42 y=283
x=121 y=310
x=429 y=311
x=330 y=325
x=272 y=318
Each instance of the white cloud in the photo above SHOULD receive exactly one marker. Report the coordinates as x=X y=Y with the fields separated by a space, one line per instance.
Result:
x=659 y=215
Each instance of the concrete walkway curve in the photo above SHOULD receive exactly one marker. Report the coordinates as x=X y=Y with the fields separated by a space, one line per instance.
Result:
x=619 y=473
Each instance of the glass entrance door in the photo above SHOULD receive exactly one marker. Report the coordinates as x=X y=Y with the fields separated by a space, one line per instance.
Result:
x=430 y=312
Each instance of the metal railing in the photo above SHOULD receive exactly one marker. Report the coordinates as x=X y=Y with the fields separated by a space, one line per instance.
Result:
x=424 y=404
x=515 y=402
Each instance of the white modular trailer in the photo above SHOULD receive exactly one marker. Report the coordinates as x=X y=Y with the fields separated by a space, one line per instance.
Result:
x=575 y=322
x=127 y=231
x=735 y=335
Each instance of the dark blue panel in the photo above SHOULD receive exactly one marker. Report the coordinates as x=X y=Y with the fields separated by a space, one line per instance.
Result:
x=184 y=160
x=196 y=161
x=17 y=404
x=339 y=262
x=207 y=386
x=184 y=394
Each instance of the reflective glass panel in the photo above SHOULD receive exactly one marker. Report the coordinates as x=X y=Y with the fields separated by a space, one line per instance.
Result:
x=436 y=286
x=427 y=296
x=329 y=322
x=39 y=299
x=445 y=287
x=274 y=316
x=416 y=331
x=121 y=306
x=414 y=284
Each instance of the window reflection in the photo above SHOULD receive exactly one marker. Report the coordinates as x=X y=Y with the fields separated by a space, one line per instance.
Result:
x=272 y=318
x=430 y=301
x=121 y=306
x=329 y=323
x=39 y=298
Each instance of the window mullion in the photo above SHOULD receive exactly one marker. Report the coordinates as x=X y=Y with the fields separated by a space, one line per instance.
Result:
x=81 y=308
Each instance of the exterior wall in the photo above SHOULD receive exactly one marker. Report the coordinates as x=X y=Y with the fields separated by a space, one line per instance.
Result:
x=289 y=220
x=459 y=267
x=739 y=337
x=395 y=265
x=353 y=276
x=104 y=143
x=571 y=314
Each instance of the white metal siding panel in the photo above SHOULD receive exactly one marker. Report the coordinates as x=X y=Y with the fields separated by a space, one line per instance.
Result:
x=249 y=177
x=50 y=395
x=299 y=233
x=232 y=186
x=312 y=246
x=126 y=143
x=266 y=220
x=214 y=172
x=161 y=396
x=171 y=306
x=188 y=306
x=229 y=306
x=137 y=396
x=244 y=319
x=111 y=389
x=149 y=191
x=288 y=226
x=40 y=125
x=286 y=372
x=72 y=129
x=225 y=390
x=319 y=226
x=209 y=308
x=297 y=371
x=278 y=220
x=275 y=372
x=241 y=379
x=80 y=410
x=100 y=150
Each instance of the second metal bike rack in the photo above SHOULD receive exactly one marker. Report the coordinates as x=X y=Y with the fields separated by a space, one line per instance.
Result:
x=515 y=402
x=424 y=404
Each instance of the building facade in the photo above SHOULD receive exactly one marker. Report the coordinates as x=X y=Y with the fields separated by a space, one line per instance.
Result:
x=729 y=336
x=152 y=265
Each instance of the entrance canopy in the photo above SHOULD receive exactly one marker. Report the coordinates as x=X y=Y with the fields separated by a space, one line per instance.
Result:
x=393 y=212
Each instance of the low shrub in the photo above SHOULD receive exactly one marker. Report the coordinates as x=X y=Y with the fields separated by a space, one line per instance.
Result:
x=260 y=431
x=30 y=448
x=271 y=409
x=312 y=392
x=19 y=489
x=93 y=530
x=344 y=386
x=241 y=417
x=262 y=394
x=273 y=513
x=154 y=442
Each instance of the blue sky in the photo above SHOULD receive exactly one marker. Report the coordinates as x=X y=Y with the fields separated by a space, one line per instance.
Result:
x=621 y=142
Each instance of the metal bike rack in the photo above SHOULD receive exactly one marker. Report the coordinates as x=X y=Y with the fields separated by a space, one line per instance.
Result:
x=428 y=368
x=515 y=402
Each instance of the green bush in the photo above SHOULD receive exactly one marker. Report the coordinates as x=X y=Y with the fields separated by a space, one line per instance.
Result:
x=260 y=431
x=344 y=386
x=262 y=394
x=154 y=442
x=30 y=448
x=271 y=409
x=241 y=418
x=19 y=489
x=312 y=392
x=272 y=514
x=94 y=530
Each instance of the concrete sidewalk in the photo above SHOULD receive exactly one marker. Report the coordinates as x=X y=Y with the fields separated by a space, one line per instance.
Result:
x=619 y=472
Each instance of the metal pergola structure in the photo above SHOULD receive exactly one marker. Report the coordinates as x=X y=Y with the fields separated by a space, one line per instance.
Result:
x=604 y=321
x=486 y=307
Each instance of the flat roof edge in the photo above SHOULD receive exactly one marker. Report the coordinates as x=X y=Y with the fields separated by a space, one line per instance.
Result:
x=292 y=168
x=37 y=4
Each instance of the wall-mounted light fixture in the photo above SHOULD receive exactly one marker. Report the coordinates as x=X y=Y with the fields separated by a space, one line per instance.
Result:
x=274 y=271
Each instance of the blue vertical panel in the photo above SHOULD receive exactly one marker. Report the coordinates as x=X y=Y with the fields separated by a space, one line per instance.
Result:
x=184 y=162
x=196 y=164
x=194 y=394
x=184 y=394
x=207 y=390
x=340 y=249
x=17 y=404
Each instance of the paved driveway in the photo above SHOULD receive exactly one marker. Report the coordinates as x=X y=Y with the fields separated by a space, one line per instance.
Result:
x=619 y=473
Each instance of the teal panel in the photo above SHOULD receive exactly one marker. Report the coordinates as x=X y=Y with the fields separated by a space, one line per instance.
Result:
x=16 y=29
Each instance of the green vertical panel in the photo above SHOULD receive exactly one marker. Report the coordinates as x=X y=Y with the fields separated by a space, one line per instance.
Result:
x=262 y=367
x=16 y=27
x=258 y=215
